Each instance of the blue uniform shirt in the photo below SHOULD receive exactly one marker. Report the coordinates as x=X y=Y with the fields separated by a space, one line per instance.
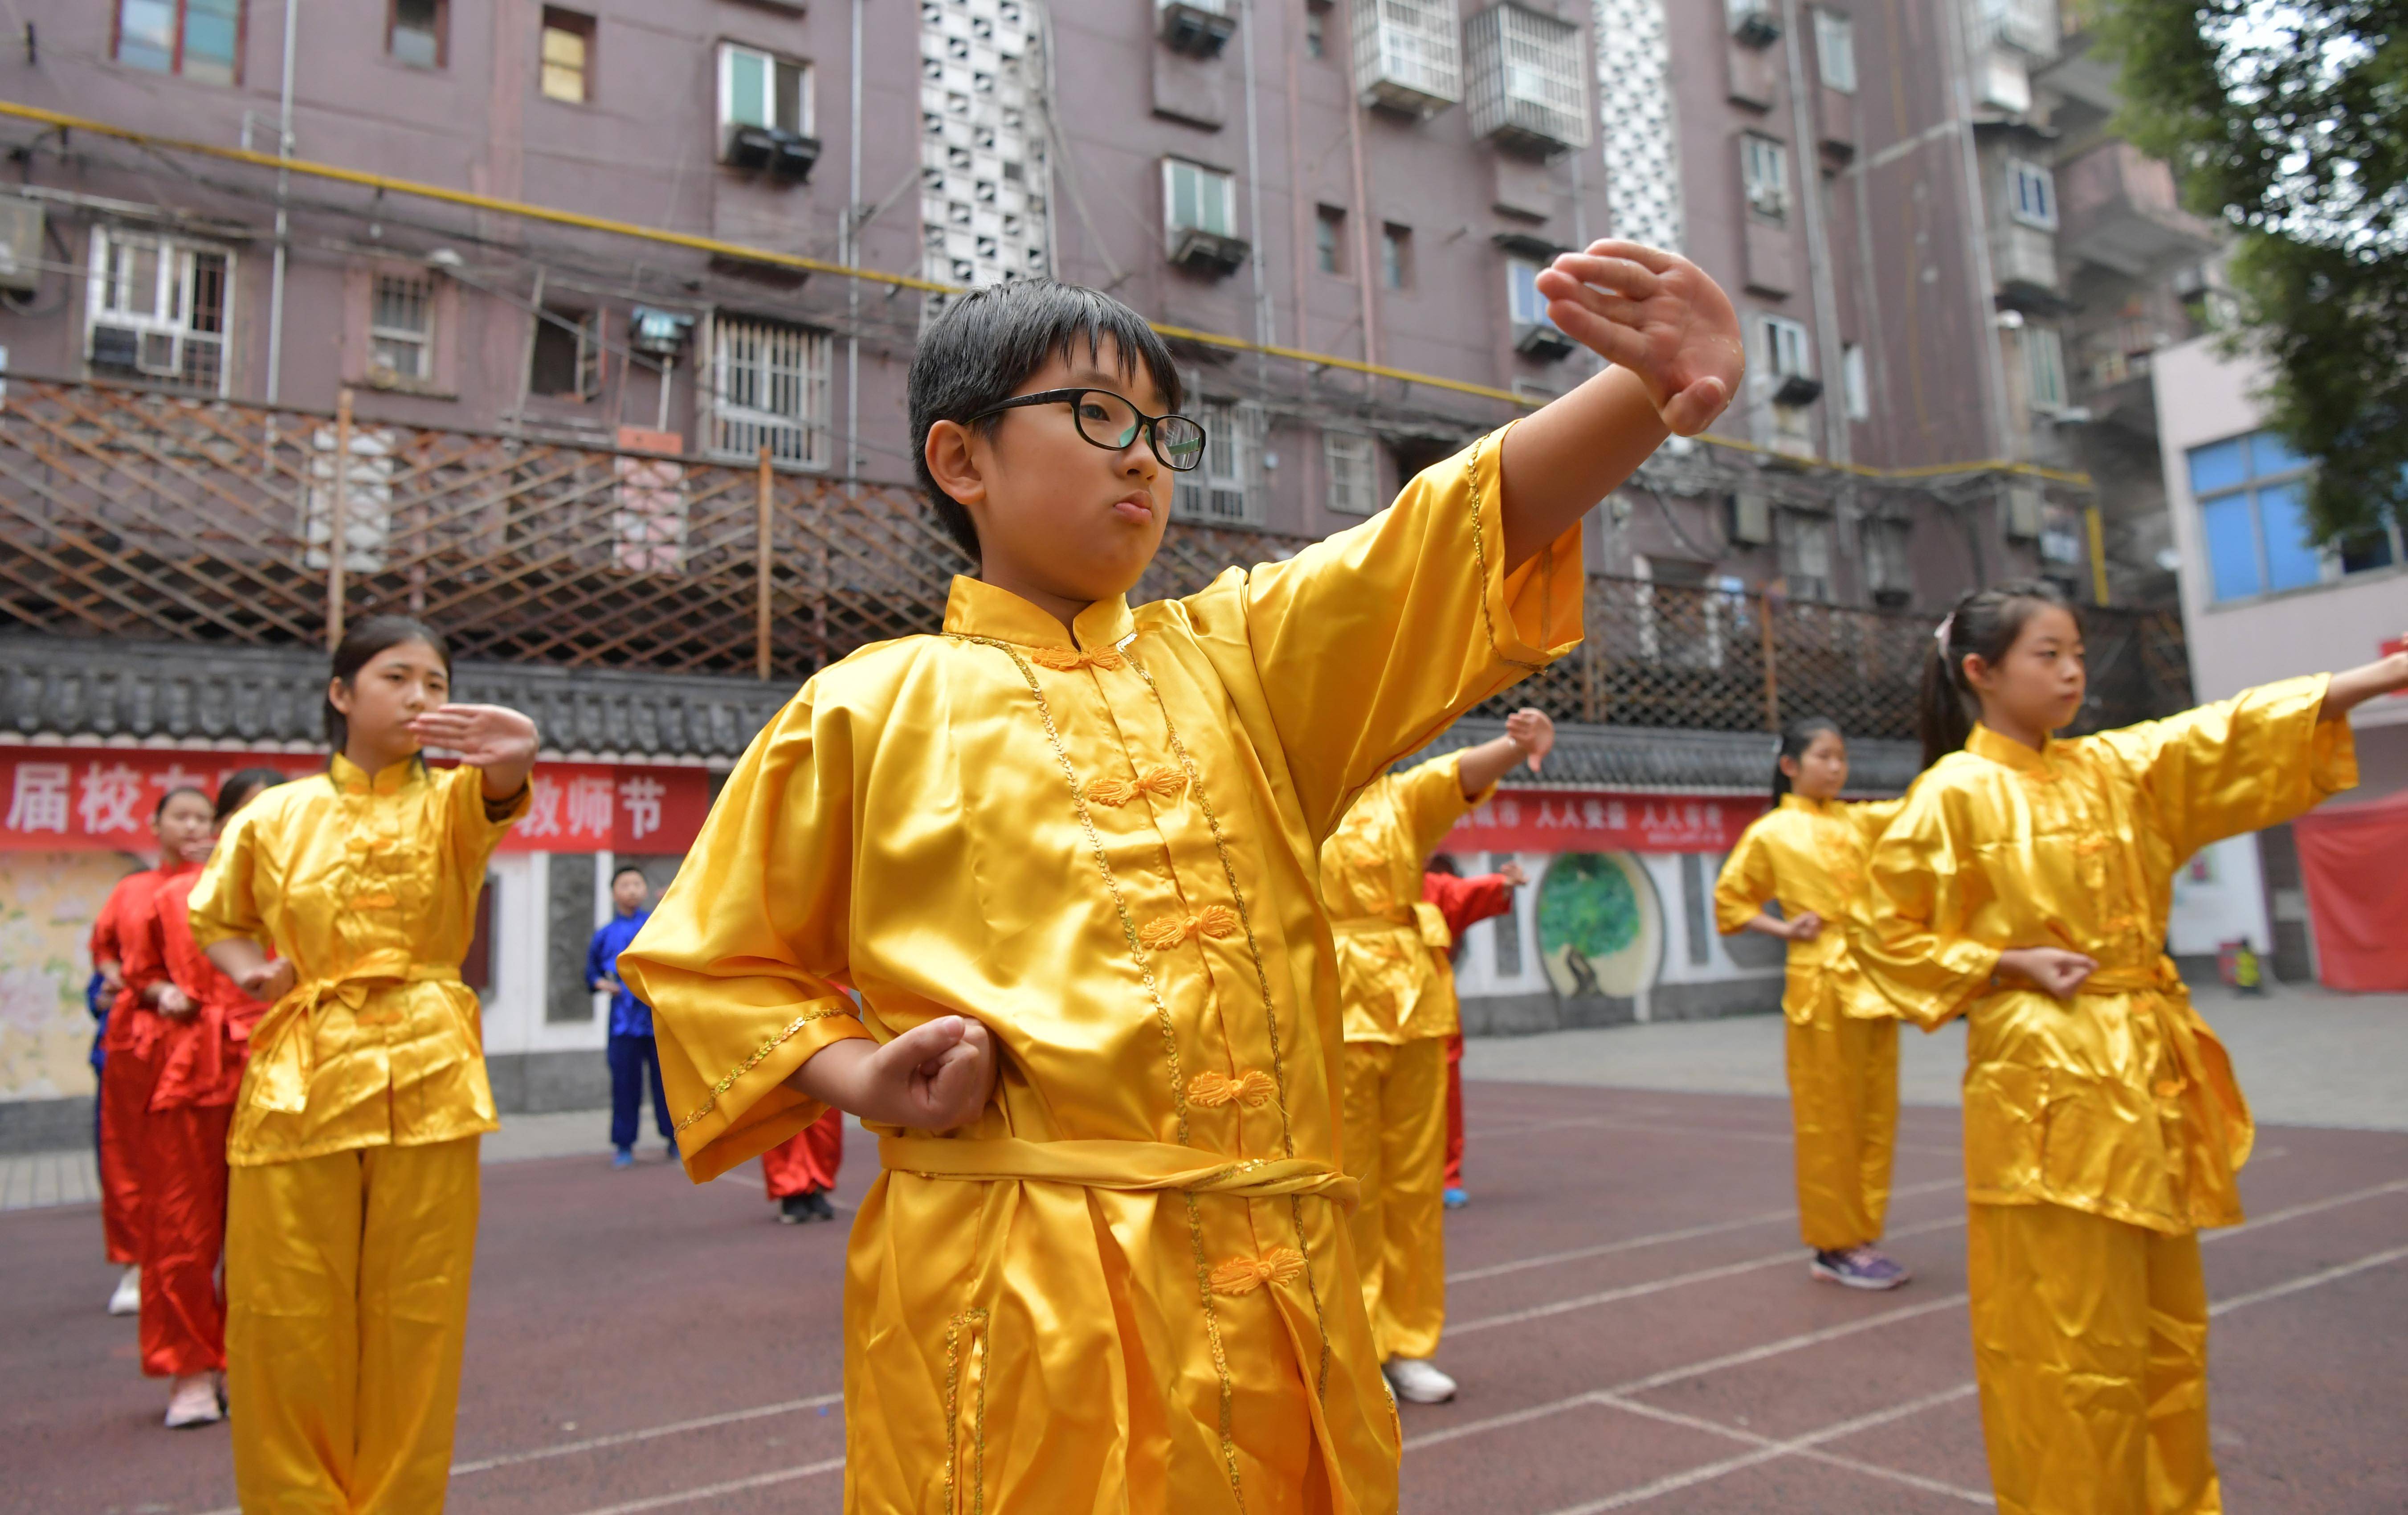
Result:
x=629 y=1016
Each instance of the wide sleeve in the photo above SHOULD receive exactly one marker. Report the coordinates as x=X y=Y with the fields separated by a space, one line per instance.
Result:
x=1429 y=800
x=2256 y=759
x=740 y=961
x=224 y=904
x=1370 y=643
x=1466 y=902
x=476 y=824
x=1746 y=882
x=1909 y=931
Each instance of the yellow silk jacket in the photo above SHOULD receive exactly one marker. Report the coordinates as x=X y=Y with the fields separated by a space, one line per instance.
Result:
x=1809 y=855
x=1395 y=979
x=2118 y=1101
x=369 y=887
x=1126 y=1285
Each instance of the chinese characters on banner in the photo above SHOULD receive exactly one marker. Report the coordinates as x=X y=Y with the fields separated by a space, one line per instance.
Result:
x=68 y=799
x=1584 y=822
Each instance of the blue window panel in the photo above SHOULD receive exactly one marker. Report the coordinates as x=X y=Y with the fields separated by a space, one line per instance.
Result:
x=2231 y=536
x=2292 y=561
x=2270 y=454
x=2219 y=465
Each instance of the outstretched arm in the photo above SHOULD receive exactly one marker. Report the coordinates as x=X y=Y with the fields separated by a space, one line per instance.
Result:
x=2350 y=689
x=1530 y=735
x=1677 y=356
x=490 y=737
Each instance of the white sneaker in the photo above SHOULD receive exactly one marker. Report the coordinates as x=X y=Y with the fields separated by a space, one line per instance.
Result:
x=1418 y=1379
x=127 y=1300
x=193 y=1401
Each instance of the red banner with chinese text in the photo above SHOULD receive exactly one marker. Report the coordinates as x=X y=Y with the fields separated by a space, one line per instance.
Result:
x=70 y=799
x=1527 y=820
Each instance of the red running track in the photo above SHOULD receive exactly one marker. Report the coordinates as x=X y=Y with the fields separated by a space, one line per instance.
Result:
x=1631 y=1320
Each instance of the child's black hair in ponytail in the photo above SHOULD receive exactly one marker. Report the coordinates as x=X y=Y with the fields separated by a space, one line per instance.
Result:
x=1796 y=738
x=1984 y=624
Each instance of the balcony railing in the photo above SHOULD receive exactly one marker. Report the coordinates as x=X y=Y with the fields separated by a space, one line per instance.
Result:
x=136 y=514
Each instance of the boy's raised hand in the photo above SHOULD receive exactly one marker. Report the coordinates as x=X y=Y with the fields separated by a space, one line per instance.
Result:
x=1660 y=316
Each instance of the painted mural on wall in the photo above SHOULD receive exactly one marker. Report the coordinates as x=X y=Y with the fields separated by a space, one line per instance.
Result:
x=47 y=901
x=1600 y=925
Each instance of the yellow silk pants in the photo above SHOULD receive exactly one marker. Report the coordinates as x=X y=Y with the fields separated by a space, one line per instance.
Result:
x=1843 y=1111
x=1393 y=1141
x=2090 y=1342
x=347 y=1302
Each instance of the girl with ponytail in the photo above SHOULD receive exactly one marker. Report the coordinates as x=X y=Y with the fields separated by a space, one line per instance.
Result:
x=2025 y=885
x=1808 y=852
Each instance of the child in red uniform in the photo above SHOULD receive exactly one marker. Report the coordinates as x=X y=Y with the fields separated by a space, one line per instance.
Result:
x=197 y=1050
x=181 y=824
x=1464 y=902
x=800 y=1171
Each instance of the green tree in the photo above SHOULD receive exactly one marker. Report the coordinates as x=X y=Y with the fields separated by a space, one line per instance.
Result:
x=2287 y=120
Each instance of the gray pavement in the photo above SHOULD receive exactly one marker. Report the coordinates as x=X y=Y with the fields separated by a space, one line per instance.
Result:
x=2305 y=1056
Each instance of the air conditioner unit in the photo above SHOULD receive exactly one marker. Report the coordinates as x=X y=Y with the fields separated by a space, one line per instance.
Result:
x=1769 y=200
x=1206 y=252
x=1200 y=28
x=1537 y=339
x=1797 y=390
x=1755 y=24
x=20 y=245
x=786 y=154
x=1751 y=518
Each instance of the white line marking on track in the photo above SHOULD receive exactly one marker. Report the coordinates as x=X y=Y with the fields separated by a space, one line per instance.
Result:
x=1653 y=1286
x=2310 y=1282
x=1856 y=1464
x=1577 y=1255
x=621 y=1438
x=758 y=1480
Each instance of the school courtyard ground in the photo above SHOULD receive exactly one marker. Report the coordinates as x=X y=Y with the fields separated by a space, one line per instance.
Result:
x=1630 y=1311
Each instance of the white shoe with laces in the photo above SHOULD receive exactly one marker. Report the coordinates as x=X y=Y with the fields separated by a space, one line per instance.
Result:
x=127 y=1300
x=193 y=1401
x=1418 y=1380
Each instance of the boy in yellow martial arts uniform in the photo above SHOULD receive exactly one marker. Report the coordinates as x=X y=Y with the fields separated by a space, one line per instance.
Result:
x=1807 y=851
x=2025 y=885
x=1066 y=852
x=351 y=1195
x=1396 y=987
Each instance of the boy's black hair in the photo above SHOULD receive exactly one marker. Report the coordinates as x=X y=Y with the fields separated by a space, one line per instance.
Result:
x=630 y=867
x=986 y=343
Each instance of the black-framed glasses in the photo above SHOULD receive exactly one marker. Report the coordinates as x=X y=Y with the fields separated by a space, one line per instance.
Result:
x=1110 y=423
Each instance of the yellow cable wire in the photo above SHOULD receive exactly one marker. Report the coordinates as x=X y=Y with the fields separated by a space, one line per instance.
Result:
x=745 y=253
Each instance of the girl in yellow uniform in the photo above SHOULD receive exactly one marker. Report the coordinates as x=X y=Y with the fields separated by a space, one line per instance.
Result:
x=1067 y=851
x=352 y=1201
x=1807 y=851
x=2025 y=885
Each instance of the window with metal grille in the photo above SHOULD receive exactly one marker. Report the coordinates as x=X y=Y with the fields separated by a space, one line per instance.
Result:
x=567 y=356
x=1528 y=84
x=1806 y=554
x=1405 y=54
x=1195 y=196
x=1787 y=348
x=1220 y=492
x=2045 y=368
x=401 y=328
x=1330 y=239
x=769 y=384
x=200 y=39
x=1764 y=171
x=2031 y=193
x=760 y=89
x=1835 y=49
x=1353 y=468
x=1889 y=572
x=567 y=54
x=417 y=31
x=157 y=309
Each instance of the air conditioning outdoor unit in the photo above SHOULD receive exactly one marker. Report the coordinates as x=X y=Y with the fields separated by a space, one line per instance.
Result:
x=1755 y=24
x=1200 y=28
x=786 y=154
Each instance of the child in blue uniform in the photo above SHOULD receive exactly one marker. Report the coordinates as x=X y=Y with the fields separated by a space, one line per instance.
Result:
x=634 y=1055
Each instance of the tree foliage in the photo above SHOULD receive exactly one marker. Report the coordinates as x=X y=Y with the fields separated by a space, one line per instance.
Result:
x=2287 y=120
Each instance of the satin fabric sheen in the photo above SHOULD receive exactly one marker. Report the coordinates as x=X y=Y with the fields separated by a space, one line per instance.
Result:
x=1395 y=1132
x=368 y=883
x=2101 y=1130
x=1103 y=843
x=1462 y=901
x=1842 y=1039
x=351 y=1207
x=808 y=1162
x=130 y=921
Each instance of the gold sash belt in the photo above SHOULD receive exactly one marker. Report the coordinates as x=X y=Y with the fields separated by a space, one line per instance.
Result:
x=2163 y=989
x=1137 y=1166
x=282 y=1051
x=1421 y=918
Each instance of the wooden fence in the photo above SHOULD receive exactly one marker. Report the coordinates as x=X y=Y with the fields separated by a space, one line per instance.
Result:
x=134 y=514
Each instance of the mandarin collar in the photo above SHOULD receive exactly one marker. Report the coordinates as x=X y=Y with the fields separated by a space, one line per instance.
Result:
x=977 y=608
x=1795 y=801
x=351 y=779
x=2007 y=751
